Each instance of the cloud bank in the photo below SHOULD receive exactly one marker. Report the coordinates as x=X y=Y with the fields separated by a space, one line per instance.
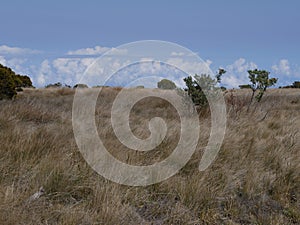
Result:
x=70 y=68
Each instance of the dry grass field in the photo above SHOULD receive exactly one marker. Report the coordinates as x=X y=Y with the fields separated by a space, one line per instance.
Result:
x=255 y=178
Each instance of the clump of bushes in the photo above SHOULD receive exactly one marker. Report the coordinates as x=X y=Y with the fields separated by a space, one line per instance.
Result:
x=10 y=82
x=166 y=84
x=57 y=85
x=296 y=84
x=80 y=86
x=245 y=86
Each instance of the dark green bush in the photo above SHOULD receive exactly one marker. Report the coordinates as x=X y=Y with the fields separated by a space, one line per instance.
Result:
x=245 y=86
x=7 y=84
x=10 y=82
x=80 y=86
x=296 y=84
x=55 y=85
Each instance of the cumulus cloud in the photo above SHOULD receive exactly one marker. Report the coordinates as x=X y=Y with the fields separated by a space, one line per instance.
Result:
x=177 y=54
x=44 y=73
x=297 y=73
x=18 y=64
x=2 y=60
x=191 y=66
x=6 y=50
x=283 y=67
x=71 y=68
x=237 y=73
x=241 y=66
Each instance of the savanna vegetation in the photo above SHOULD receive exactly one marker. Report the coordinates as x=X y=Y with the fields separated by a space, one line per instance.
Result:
x=254 y=180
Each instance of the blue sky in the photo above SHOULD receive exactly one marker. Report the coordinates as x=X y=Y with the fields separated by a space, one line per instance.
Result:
x=36 y=36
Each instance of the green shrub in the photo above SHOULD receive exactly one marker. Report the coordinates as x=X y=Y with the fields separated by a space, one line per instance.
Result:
x=245 y=86
x=296 y=84
x=80 y=86
x=166 y=84
x=260 y=81
x=55 y=85
x=196 y=86
x=195 y=91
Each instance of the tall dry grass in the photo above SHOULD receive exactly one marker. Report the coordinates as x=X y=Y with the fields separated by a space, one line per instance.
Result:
x=254 y=180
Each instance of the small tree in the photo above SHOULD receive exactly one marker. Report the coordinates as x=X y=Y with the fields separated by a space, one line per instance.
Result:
x=10 y=82
x=166 y=84
x=7 y=84
x=195 y=91
x=259 y=80
x=219 y=74
x=196 y=86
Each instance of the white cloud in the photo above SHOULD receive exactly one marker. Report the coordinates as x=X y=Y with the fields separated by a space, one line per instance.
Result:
x=177 y=54
x=2 y=60
x=18 y=64
x=237 y=73
x=44 y=73
x=182 y=54
x=6 y=50
x=191 y=66
x=282 y=68
x=233 y=81
x=297 y=74
x=70 y=70
x=97 y=50
x=151 y=68
x=241 y=66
